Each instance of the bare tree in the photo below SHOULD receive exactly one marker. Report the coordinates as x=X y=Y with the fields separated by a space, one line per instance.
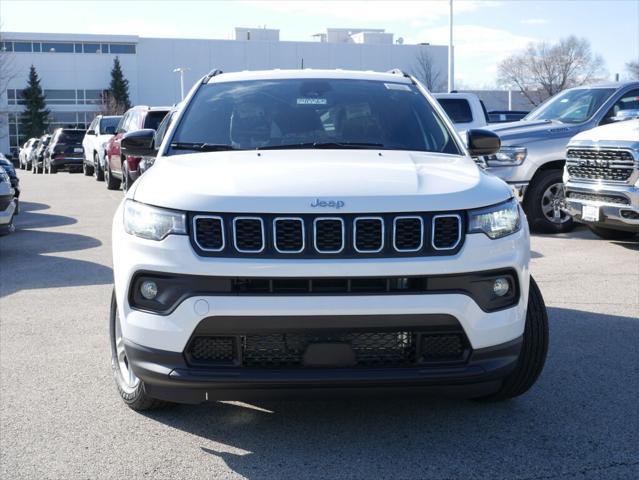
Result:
x=543 y=70
x=633 y=69
x=426 y=71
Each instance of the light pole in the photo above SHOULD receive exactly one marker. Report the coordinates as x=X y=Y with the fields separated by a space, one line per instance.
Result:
x=181 y=70
x=451 y=58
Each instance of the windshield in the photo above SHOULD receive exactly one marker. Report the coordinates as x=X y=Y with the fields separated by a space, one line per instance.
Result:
x=311 y=113
x=571 y=106
x=107 y=122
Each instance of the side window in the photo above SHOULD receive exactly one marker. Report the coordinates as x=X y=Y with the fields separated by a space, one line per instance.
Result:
x=458 y=109
x=629 y=101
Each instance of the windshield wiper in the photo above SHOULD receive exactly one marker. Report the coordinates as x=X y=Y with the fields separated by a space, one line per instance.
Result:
x=353 y=145
x=202 y=147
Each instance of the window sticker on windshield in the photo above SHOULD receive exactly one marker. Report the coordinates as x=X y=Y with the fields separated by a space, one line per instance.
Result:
x=397 y=86
x=311 y=101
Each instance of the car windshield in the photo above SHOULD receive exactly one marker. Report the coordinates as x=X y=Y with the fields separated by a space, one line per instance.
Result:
x=311 y=113
x=572 y=106
x=71 y=136
x=107 y=122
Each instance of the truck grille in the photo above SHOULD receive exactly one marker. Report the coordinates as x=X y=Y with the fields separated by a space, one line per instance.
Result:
x=599 y=197
x=600 y=164
x=371 y=349
x=384 y=235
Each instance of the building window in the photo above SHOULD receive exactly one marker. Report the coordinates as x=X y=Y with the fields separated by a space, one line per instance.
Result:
x=37 y=47
x=57 y=47
x=6 y=46
x=60 y=97
x=121 y=48
x=78 y=48
x=21 y=46
x=91 y=48
x=104 y=48
x=93 y=97
x=14 y=96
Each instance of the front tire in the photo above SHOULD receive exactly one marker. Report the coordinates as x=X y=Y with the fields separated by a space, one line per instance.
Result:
x=533 y=350
x=97 y=169
x=611 y=234
x=545 y=204
x=130 y=387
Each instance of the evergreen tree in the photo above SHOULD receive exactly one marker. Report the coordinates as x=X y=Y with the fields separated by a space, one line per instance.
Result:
x=34 y=120
x=117 y=97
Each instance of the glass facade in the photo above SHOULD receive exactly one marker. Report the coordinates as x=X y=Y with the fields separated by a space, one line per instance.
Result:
x=26 y=46
x=60 y=97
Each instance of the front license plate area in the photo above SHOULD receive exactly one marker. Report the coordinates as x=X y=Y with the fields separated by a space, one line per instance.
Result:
x=78 y=150
x=590 y=213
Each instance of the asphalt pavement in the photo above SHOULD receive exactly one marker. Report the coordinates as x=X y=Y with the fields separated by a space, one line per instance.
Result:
x=61 y=417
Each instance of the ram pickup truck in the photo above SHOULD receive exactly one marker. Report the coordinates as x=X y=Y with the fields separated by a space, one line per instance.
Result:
x=95 y=142
x=602 y=179
x=306 y=231
x=532 y=156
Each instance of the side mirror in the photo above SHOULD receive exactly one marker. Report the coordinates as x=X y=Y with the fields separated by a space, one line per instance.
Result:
x=91 y=132
x=483 y=142
x=109 y=130
x=139 y=143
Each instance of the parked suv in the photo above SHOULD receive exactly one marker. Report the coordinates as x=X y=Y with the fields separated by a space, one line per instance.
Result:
x=65 y=151
x=37 y=154
x=10 y=170
x=294 y=235
x=532 y=155
x=8 y=203
x=122 y=169
x=25 y=152
x=602 y=179
x=95 y=142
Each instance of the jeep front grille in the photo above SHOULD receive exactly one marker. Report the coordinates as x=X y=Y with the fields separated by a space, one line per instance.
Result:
x=371 y=349
x=309 y=236
x=593 y=164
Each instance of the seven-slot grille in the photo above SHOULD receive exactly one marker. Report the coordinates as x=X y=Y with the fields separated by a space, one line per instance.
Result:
x=600 y=164
x=318 y=236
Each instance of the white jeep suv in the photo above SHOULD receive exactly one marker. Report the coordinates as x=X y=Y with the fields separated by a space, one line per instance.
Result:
x=315 y=230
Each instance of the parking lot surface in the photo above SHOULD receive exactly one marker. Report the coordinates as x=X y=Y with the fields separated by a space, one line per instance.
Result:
x=61 y=417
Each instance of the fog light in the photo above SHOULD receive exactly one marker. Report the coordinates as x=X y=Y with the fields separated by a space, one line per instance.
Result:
x=149 y=289
x=501 y=286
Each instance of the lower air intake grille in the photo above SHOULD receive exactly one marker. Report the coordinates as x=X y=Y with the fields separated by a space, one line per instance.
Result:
x=446 y=232
x=370 y=349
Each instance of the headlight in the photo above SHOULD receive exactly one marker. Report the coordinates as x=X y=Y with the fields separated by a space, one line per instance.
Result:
x=3 y=176
x=496 y=221
x=152 y=223
x=507 y=157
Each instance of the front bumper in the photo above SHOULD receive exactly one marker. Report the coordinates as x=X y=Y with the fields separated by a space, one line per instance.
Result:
x=167 y=376
x=8 y=206
x=622 y=214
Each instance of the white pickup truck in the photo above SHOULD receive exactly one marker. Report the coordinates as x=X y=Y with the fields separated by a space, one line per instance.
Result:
x=602 y=179
x=100 y=131
x=465 y=110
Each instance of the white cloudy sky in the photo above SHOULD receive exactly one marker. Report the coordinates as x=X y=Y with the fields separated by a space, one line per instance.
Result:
x=485 y=30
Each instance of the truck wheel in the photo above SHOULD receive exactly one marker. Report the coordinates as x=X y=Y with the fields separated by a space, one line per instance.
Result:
x=111 y=183
x=533 y=350
x=544 y=203
x=97 y=170
x=130 y=387
x=610 y=234
x=86 y=169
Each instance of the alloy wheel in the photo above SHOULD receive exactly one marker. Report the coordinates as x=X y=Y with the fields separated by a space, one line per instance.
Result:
x=553 y=204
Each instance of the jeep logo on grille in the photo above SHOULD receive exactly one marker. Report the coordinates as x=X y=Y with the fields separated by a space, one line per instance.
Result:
x=327 y=203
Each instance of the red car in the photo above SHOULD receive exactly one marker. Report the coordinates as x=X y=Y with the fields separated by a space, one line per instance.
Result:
x=120 y=169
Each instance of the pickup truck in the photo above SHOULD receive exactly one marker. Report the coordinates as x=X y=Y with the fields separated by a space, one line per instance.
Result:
x=532 y=156
x=466 y=110
x=292 y=236
x=602 y=179
x=95 y=141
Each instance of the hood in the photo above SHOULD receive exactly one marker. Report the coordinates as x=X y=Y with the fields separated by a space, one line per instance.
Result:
x=524 y=131
x=627 y=131
x=291 y=181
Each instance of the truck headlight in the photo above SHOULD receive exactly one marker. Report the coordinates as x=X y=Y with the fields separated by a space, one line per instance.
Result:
x=152 y=223
x=507 y=157
x=496 y=221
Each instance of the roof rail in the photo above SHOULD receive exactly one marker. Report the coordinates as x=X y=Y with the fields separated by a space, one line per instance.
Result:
x=398 y=71
x=211 y=74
